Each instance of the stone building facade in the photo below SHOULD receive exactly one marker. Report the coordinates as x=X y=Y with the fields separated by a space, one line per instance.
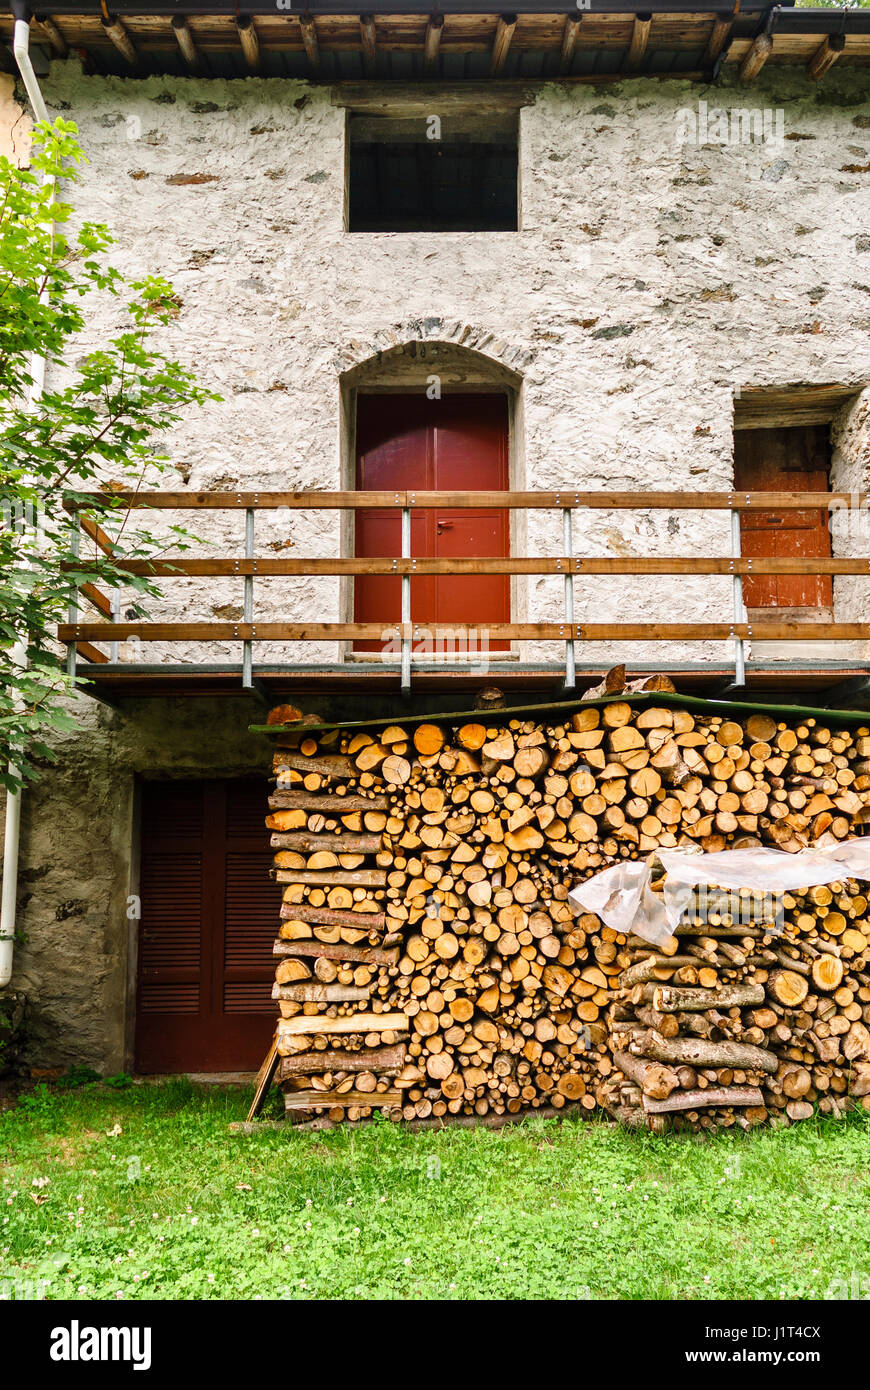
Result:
x=654 y=281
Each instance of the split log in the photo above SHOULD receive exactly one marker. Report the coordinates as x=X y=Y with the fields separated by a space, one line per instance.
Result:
x=332 y=917
x=349 y=878
x=370 y=955
x=668 y=1000
x=309 y=1100
x=351 y=1023
x=699 y=1100
x=650 y=967
x=383 y=1061
x=314 y=992
x=330 y=766
x=309 y=801
x=338 y=844
x=697 y=1052
x=652 y=1078
x=788 y=987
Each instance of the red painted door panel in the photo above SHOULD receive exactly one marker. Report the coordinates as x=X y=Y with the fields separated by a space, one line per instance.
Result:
x=459 y=443
x=483 y=597
x=784 y=460
x=209 y=915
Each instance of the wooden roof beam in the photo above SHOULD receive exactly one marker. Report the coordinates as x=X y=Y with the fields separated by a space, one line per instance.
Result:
x=570 y=34
x=59 y=45
x=184 y=39
x=639 y=40
x=504 y=32
x=249 y=41
x=310 y=43
x=825 y=56
x=762 y=47
x=432 y=45
x=120 y=38
x=369 y=42
x=718 y=36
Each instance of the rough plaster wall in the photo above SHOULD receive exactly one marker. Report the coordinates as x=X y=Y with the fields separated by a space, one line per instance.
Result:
x=647 y=283
x=850 y=527
x=77 y=862
x=651 y=277
x=15 y=123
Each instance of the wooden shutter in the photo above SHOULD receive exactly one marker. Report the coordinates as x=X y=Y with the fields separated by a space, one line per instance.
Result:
x=209 y=916
x=784 y=460
x=170 y=934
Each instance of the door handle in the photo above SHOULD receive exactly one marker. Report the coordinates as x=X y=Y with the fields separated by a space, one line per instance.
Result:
x=444 y=526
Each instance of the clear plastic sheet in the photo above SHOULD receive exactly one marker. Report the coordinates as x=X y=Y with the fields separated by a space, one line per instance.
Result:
x=622 y=897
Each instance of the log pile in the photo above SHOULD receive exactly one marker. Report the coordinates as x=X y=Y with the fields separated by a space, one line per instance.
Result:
x=430 y=965
x=747 y=1015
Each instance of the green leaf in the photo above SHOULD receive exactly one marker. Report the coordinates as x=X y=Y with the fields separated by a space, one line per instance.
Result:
x=62 y=463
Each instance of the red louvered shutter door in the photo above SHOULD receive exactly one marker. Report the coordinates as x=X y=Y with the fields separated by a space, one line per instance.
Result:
x=209 y=916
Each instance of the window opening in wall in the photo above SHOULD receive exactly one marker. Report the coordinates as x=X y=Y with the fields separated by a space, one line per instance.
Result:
x=428 y=173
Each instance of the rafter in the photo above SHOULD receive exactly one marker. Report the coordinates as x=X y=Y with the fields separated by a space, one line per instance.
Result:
x=249 y=41
x=115 y=30
x=59 y=45
x=718 y=35
x=762 y=47
x=432 y=45
x=504 y=32
x=639 y=40
x=184 y=39
x=310 y=43
x=369 y=41
x=825 y=56
x=570 y=34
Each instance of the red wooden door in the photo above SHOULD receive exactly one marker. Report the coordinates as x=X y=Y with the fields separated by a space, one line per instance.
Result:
x=209 y=917
x=457 y=444
x=784 y=460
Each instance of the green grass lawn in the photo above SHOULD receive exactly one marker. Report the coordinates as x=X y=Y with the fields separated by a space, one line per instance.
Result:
x=142 y=1192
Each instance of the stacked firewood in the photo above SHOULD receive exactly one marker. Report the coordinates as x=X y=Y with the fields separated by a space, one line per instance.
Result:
x=431 y=965
x=757 y=1008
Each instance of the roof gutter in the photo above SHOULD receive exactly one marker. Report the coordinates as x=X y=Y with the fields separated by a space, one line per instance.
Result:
x=239 y=8
x=12 y=828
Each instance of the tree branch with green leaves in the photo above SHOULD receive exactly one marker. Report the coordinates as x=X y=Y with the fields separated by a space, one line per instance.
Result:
x=65 y=456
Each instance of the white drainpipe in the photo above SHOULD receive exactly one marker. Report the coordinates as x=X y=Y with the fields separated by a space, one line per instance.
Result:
x=21 y=49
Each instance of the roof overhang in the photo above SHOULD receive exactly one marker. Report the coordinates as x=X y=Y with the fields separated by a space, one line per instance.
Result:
x=411 y=40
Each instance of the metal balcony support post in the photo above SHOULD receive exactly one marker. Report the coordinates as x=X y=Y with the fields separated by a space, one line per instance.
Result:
x=116 y=618
x=73 y=612
x=406 y=600
x=568 y=550
x=248 y=647
x=739 y=610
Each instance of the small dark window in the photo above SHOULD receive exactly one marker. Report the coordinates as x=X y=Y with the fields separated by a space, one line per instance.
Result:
x=427 y=174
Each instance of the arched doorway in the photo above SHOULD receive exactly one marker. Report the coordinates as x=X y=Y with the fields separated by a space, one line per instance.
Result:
x=433 y=417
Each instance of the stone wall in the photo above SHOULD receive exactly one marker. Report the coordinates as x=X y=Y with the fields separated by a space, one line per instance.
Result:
x=15 y=123
x=78 y=864
x=651 y=278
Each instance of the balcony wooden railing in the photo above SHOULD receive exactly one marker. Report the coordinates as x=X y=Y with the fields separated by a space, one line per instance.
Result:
x=81 y=635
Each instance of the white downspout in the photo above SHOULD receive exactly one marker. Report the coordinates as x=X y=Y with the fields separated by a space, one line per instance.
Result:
x=21 y=49
x=12 y=829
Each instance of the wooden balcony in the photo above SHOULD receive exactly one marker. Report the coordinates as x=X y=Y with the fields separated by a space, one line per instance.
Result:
x=836 y=679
